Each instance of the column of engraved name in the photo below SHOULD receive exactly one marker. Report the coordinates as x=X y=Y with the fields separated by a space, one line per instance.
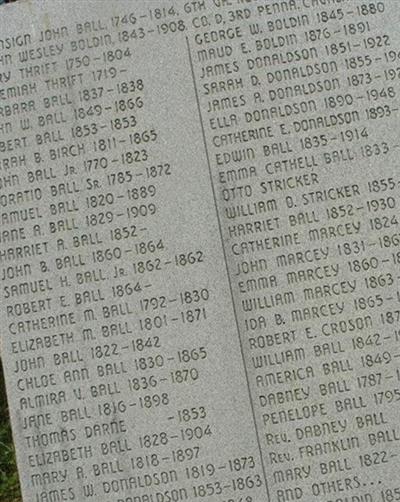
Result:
x=299 y=99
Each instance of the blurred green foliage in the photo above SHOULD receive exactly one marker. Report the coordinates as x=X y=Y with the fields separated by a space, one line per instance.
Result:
x=9 y=482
